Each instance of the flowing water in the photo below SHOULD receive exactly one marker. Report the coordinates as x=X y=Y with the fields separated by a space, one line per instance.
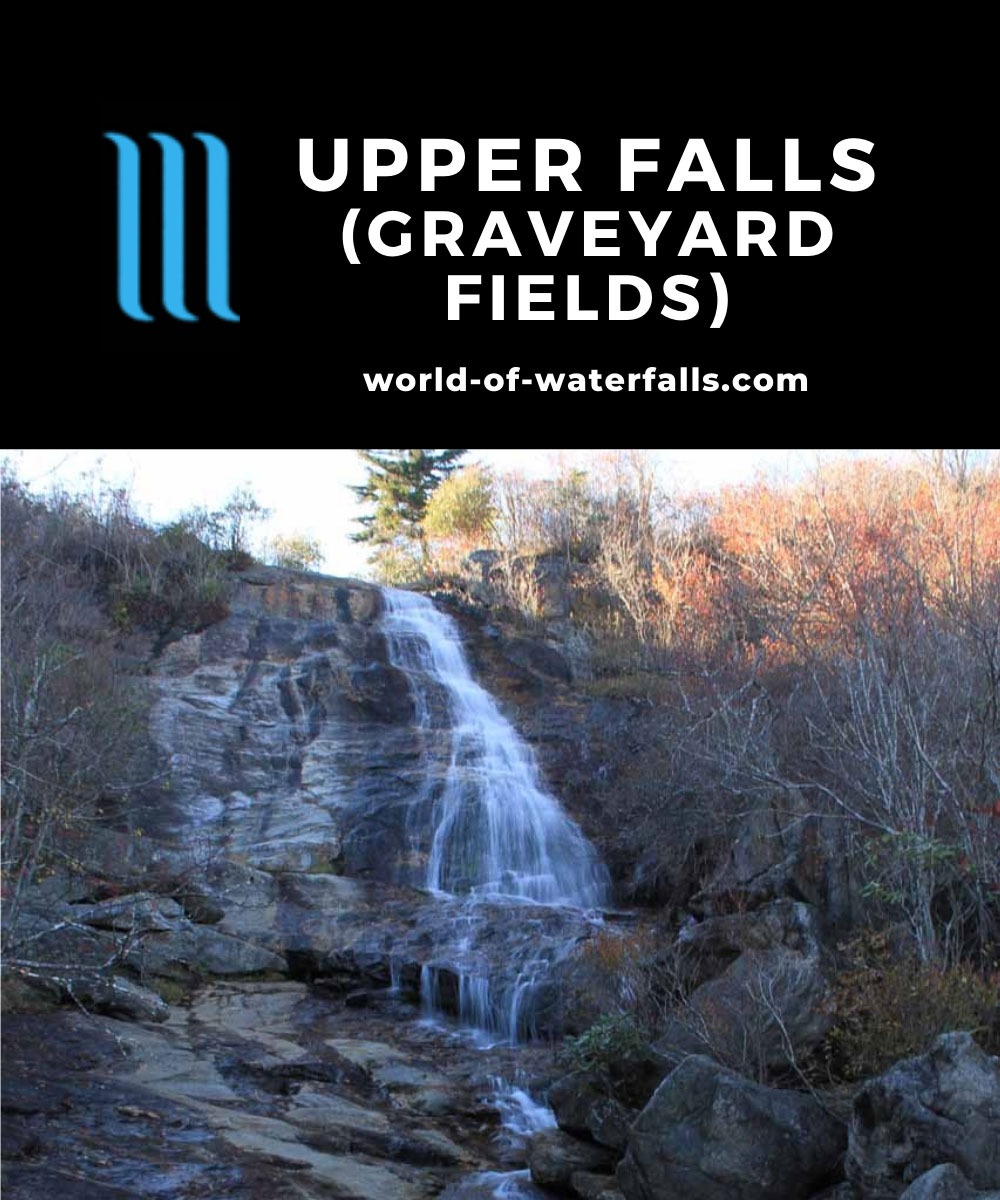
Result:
x=494 y=832
x=521 y=1115
x=494 y=841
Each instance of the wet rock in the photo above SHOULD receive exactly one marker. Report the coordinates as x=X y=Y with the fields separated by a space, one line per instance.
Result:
x=284 y=731
x=278 y=1143
x=938 y=1107
x=387 y=1066
x=19 y=1142
x=443 y=1100
x=79 y=1137
x=709 y=1134
x=554 y=1157
x=945 y=1182
x=251 y=1064
x=381 y=693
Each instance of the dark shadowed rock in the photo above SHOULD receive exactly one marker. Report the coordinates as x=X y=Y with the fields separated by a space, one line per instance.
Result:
x=945 y=1182
x=202 y=950
x=769 y=1004
x=120 y=997
x=709 y=1134
x=938 y=1107
x=538 y=656
x=716 y=942
x=139 y=911
x=590 y=1185
x=199 y=905
x=554 y=1157
x=584 y=1109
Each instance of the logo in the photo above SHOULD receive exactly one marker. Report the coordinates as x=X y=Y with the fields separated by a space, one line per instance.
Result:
x=217 y=227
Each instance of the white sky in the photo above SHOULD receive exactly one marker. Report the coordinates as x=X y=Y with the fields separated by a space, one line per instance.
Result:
x=307 y=489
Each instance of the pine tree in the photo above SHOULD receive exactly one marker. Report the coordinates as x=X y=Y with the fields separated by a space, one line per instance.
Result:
x=399 y=485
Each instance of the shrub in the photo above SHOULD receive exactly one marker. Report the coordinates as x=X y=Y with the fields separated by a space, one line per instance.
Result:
x=462 y=506
x=397 y=566
x=296 y=551
x=73 y=722
x=612 y=1039
x=889 y=1007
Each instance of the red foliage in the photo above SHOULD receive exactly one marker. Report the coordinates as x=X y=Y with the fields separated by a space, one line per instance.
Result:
x=792 y=572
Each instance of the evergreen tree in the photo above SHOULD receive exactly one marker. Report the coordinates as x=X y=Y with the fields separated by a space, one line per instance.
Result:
x=399 y=485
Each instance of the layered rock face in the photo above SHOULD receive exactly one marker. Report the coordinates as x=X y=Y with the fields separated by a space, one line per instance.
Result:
x=285 y=732
x=301 y=770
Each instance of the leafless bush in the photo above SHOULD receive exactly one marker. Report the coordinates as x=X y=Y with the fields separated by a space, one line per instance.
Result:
x=72 y=723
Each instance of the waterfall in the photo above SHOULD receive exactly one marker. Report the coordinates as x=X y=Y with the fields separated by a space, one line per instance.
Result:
x=494 y=839
x=521 y=1115
x=494 y=832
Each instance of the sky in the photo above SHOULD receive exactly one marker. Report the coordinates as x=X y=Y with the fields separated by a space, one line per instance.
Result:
x=307 y=490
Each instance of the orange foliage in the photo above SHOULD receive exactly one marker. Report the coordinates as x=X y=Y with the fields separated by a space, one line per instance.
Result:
x=790 y=572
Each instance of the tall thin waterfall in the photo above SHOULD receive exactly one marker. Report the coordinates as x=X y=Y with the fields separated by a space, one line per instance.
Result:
x=495 y=834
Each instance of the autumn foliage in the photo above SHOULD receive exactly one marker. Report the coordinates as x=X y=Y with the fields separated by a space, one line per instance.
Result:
x=863 y=549
x=823 y=649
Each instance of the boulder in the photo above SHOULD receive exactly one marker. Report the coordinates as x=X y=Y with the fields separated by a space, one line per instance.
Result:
x=769 y=1005
x=710 y=1134
x=945 y=1182
x=716 y=942
x=584 y=1109
x=765 y=1010
x=939 y=1107
x=554 y=1157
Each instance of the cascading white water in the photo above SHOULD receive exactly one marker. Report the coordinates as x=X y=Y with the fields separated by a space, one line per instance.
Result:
x=521 y=1115
x=494 y=840
x=495 y=834
x=496 y=844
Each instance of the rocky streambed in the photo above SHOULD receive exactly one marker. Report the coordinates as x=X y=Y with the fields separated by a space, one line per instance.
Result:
x=253 y=1089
